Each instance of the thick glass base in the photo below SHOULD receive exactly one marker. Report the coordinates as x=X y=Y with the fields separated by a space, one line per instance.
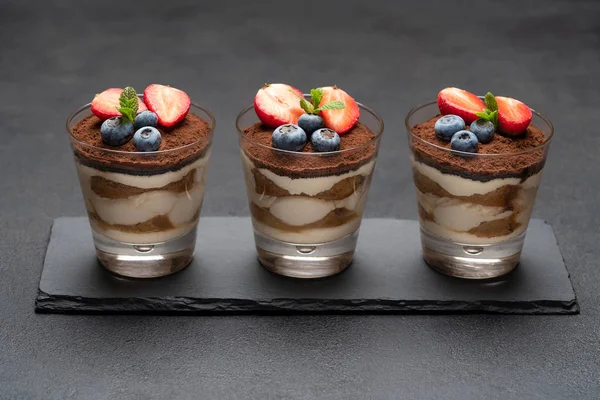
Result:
x=151 y=260
x=308 y=261
x=479 y=261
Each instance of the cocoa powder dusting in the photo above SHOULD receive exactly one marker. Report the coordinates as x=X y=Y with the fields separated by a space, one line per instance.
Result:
x=483 y=168
x=192 y=131
x=300 y=166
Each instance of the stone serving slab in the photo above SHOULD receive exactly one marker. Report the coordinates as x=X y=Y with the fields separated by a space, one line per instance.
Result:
x=388 y=275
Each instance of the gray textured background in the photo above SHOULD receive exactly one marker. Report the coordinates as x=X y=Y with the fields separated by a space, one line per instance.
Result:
x=390 y=55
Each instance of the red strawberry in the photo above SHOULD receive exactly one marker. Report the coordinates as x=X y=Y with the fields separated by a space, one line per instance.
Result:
x=513 y=116
x=105 y=104
x=459 y=102
x=169 y=104
x=278 y=104
x=341 y=120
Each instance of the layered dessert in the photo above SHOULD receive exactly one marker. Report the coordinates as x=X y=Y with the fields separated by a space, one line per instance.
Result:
x=142 y=164
x=307 y=164
x=477 y=166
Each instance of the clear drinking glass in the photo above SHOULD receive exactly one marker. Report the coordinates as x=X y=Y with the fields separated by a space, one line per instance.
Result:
x=143 y=207
x=306 y=225
x=473 y=224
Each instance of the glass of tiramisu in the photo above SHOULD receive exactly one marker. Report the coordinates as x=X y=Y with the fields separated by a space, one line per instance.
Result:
x=308 y=161
x=142 y=164
x=477 y=164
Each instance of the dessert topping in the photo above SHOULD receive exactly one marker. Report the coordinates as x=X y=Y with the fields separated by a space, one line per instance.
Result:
x=169 y=104
x=459 y=102
x=509 y=116
x=147 y=139
x=317 y=105
x=311 y=121
x=277 y=104
x=289 y=137
x=483 y=129
x=464 y=141
x=343 y=119
x=105 y=105
x=325 y=140
x=145 y=118
x=331 y=112
x=128 y=104
x=513 y=116
x=490 y=112
x=116 y=131
x=448 y=125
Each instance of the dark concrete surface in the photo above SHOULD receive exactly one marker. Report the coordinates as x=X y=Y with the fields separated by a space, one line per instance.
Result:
x=387 y=275
x=390 y=55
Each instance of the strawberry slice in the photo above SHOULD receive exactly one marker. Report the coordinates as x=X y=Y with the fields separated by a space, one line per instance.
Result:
x=459 y=102
x=105 y=104
x=278 y=104
x=341 y=120
x=513 y=116
x=169 y=104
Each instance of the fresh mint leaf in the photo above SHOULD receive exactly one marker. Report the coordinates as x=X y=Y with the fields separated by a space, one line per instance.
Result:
x=495 y=119
x=489 y=115
x=127 y=113
x=306 y=106
x=129 y=103
x=332 y=105
x=483 y=115
x=490 y=102
x=316 y=95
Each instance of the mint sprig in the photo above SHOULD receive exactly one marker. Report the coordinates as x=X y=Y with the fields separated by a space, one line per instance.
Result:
x=332 y=105
x=490 y=112
x=316 y=95
x=129 y=104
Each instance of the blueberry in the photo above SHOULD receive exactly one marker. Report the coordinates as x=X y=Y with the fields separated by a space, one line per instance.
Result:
x=448 y=125
x=310 y=123
x=289 y=137
x=145 y=118
x=483 y=129
x=116 y=131
x=464 y=141
x=325 y=140
x=147 y=139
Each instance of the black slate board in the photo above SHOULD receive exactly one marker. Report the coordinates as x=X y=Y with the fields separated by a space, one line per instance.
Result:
x=388 y=275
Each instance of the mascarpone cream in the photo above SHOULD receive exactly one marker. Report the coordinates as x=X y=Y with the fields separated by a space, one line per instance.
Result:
x=308 y=186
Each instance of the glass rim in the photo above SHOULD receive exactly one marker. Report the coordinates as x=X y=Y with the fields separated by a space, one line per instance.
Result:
x=72 y=116
x=315 y=154
x=457 y=152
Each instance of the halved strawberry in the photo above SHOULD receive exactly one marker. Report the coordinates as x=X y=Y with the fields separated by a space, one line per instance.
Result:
x=169 y=104
x=278 y=104
x=105 y=104
x=459 y=102
x=341 y=120
x=513 y=116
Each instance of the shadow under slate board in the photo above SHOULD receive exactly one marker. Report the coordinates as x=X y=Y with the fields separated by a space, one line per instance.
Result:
x=388 y=275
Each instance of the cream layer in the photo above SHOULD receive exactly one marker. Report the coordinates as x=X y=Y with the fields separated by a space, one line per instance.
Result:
x=467 y=238
x=453 y=217
x=457 y=214
x=306 y=186
x=460 y=186
x=309 y=236
x=145 y=181
x=179 y=207
x=303 y=210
